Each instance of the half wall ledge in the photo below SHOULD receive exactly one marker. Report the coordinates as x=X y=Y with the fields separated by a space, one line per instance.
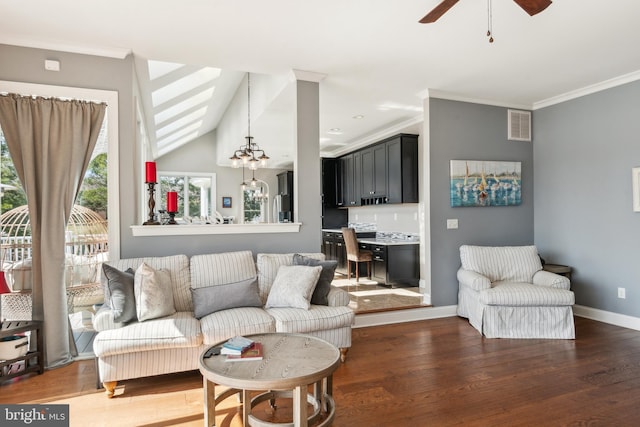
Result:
x=201 y=229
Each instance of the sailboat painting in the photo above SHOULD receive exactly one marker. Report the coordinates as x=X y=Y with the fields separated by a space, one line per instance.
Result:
x=481 y=183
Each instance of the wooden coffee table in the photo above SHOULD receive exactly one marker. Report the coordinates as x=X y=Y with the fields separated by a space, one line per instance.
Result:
x=290 y=364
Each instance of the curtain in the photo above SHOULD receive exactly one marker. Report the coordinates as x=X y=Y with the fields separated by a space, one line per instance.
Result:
x=51 y=142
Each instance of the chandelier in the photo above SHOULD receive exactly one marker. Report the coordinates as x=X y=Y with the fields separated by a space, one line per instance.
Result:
x=250 y=154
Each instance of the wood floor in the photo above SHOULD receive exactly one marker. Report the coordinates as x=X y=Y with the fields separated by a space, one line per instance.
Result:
x=429 y=373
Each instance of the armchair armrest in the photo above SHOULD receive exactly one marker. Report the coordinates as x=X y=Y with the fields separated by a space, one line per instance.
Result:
x=338 y=297
x=551 y=280
x=473 y=280
x=103 y=320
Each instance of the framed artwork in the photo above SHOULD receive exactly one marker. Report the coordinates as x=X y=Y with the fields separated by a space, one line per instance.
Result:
x=226 y=202
x=482 y=183
x=635 y=173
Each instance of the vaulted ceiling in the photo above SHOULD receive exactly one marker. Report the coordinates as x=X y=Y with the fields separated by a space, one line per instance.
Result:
x=378 y=60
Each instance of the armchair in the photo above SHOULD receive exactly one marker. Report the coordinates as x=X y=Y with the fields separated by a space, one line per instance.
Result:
x=504 y=293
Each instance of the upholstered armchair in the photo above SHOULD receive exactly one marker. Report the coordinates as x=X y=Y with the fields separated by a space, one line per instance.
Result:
x=505 y=293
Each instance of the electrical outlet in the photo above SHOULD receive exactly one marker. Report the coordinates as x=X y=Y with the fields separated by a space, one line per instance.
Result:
x=452 y=224
x=622 y=293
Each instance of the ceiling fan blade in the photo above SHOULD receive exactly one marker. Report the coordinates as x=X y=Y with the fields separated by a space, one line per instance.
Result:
x=533 y=7
x=438 y=11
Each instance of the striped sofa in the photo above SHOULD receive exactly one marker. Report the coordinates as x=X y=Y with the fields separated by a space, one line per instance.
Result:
x=174 y=343
x=505 y=293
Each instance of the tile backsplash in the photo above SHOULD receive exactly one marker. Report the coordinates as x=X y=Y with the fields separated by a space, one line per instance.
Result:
x=390 y=218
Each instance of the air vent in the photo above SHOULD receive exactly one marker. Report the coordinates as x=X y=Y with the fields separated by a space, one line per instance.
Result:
x=519 y=125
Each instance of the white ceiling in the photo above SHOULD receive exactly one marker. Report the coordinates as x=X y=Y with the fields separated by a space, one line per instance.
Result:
x=378 y=60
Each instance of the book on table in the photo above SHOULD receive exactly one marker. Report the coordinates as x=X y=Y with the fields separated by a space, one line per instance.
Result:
x=236 y=345
x=252 y=353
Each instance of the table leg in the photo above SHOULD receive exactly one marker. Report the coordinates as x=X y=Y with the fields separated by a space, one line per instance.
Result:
x=318 y=394
x=209 y=403
x=246 y=407
x=300 y=406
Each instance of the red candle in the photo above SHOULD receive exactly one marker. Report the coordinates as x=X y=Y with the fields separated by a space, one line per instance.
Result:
x=172 y=201
x=150 y=168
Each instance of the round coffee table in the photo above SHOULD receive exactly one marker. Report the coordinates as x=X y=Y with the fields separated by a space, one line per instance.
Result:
x=291 y=362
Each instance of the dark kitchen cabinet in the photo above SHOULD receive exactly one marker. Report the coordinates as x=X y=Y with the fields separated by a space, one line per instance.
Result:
x=334 y=248
x=394 y=265
x=349 y=172
x=285 y=194
x=332 y=215
x=285 y=183
x=373 y=172
x=383 y=173
x=402 y=169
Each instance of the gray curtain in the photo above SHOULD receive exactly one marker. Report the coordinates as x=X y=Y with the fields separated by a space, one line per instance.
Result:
x=51 y=142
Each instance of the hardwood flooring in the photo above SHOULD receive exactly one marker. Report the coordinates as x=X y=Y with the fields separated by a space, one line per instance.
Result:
x=437 y=372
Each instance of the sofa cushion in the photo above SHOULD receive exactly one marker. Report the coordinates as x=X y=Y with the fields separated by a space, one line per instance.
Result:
x=153 y=293
x=525 y=294
x=179 y=330
x=222 y=325
x=222 y=297
x=322 y=288
x=293 y=286
x=513 y=263
x=317 y=318
x=178 y=268
x=268 y=265
x=121 y=295
x=222 y=268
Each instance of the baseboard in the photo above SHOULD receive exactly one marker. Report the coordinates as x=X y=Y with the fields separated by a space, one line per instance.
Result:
x=413 y=314
x=607 y=317
x=400 y=316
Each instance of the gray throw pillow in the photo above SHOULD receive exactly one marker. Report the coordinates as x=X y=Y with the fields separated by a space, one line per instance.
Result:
x=121 y=296
x=210 y=299
x=321 y=291
x=293 y=286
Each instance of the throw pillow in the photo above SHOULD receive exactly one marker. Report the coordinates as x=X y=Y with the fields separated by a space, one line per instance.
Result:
x=121 y=295
x=293 y=286
x=210 y=299
x=153 y=293
x=321 y=291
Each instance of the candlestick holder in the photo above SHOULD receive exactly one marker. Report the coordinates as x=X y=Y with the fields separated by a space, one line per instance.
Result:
x=152 y=205
x=172 y=220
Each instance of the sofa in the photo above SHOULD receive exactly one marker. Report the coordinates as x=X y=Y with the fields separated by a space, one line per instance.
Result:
x=215 y=297
x=505 y=293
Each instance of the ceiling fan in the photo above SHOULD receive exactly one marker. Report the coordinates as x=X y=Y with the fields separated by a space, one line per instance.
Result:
x=532 y=7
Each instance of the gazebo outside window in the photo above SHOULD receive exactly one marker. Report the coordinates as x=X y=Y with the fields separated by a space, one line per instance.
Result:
x=86 y=249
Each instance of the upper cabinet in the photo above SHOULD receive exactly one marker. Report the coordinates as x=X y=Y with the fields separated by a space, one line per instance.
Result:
x=373 y=172
x=402 y=169
x=349 y=180
x=385 y=172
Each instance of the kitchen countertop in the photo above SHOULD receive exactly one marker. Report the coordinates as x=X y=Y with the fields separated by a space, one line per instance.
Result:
x=379 y=238
x=388 y=242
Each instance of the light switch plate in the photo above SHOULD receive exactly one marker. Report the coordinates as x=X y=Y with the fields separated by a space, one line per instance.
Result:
x=452 y=224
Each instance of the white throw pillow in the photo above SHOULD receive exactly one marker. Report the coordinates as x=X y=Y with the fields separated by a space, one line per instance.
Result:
x=153 y=294
x=293 y=286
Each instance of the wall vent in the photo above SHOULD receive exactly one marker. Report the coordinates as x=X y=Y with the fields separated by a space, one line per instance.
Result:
x=519 y=125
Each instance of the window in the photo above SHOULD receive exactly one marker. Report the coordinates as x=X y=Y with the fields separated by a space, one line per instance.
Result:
x=255 y=207
x=196 y=194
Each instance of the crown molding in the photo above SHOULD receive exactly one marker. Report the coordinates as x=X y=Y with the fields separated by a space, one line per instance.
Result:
x=588 y=90
x=441 y=94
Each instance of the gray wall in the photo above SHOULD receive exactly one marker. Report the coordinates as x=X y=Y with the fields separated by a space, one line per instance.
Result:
x=87 y=71
x=466 y=131
x=584 y=151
